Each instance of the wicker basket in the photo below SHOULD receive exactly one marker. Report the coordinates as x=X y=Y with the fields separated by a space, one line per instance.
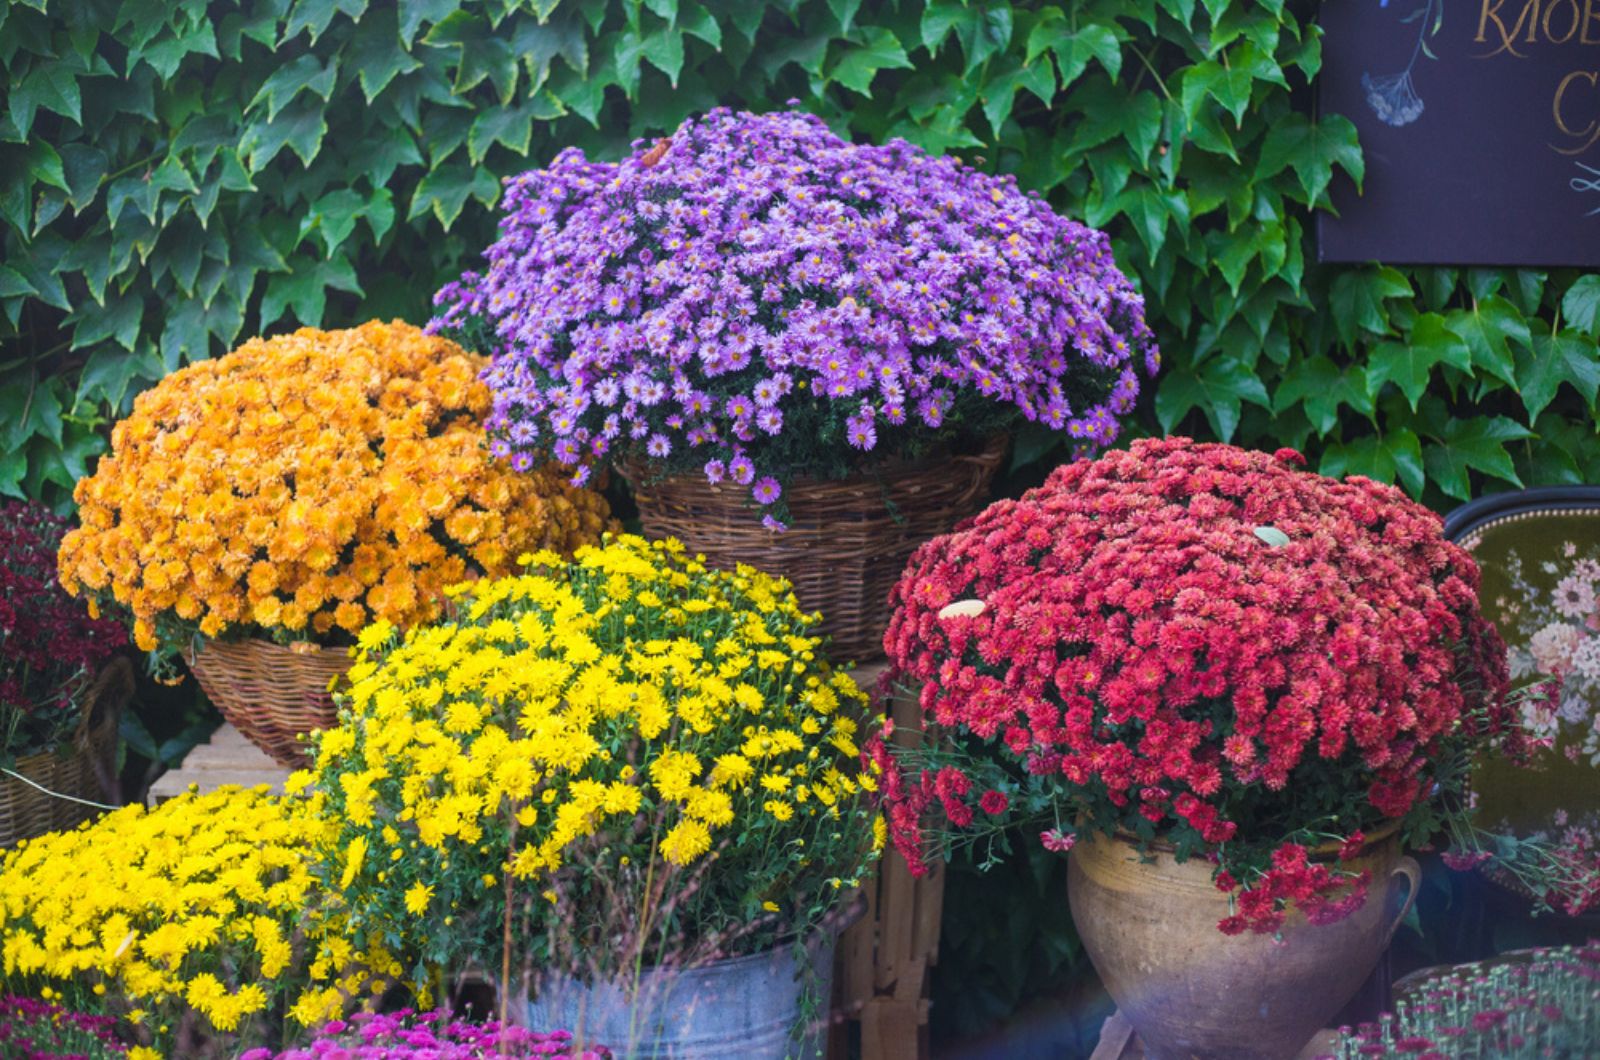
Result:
x=270 y=693
x=848 y=539
x=83 y=769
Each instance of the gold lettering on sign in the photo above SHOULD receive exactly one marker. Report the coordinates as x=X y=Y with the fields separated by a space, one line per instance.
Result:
x=1490 y=13
x=1591 y=18
x=1558 y=107
x=1572 y=26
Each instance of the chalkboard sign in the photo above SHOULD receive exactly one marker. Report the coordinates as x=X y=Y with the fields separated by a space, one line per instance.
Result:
x=1480 y=123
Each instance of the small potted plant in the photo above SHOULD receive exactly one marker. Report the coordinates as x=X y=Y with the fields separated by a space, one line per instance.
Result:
x=406 y=1035
x=1528 y=1005
x=768 y=328
x=62 y=685
x=261 y=507
x=1230 y=688
x=628 y=787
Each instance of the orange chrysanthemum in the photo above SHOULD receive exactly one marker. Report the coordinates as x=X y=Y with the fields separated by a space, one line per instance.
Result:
x=308 y=484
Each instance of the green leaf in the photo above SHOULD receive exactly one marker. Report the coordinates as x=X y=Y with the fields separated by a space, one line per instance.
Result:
x=1094 y=41
x=1396 y=454
x=51 y=85
x=1475 y=444
x=14 y=284
x=877 y=49
x=374 y=54
x=414 y=13
x=305 y=74
x=698 y=22
x=1321 y=388
x=445 y=191
x=985 y=32
x=1357 y=297
x=1312 y=151
x=1217 y=388
x=107 y=375
x=939 y=17
x=304 y=290
x=1568 y=357
x=1488 y=328
x=84 y=167
x=664 y=50
x=44 y=165
x=1271 y=536
x=1581 y=305
x=119 y=320
x=1410 y=364
x=300 y=127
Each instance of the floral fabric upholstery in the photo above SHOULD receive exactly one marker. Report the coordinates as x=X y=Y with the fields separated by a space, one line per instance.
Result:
x=1540 y=563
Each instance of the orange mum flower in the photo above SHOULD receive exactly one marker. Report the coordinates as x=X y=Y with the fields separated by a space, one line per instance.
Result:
x=306 y=485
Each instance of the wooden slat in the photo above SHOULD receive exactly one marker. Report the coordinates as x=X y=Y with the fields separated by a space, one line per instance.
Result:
x=228 y=758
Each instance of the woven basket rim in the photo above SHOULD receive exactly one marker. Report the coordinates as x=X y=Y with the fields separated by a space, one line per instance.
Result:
x=643 y=472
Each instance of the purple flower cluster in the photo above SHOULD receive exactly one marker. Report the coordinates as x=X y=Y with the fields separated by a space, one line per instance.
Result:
x=31 y=1029
x=692 y=300
x=429 y=1036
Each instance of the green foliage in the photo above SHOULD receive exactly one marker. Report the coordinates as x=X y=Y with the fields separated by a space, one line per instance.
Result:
x=178 y=174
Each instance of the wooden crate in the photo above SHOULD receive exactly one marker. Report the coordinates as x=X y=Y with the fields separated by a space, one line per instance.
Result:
x=881 y=970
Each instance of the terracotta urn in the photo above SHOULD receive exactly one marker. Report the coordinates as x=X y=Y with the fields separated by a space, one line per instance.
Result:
x=1193 y=993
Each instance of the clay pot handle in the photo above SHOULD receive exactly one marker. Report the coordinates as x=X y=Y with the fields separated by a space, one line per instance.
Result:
x=1407 y=867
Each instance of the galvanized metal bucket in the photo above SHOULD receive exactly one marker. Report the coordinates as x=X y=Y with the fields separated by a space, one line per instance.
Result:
x=748 y=1008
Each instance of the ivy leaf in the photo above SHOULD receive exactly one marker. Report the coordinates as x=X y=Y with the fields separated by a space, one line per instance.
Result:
x=445 y=191
x=300 y=127
x=1581 y=306
x=414 y=13
x=118 y=320
x=939 y=17
x=1396 y=454
x=305 y=74
x=698 y=22
x=1357 y=297
x=1311 y=150
x=304 y=290
x=108 y=373
x=511 y=126
x=877 y=49
x=1567 y=357
x=1321 y=388
x=1488 y=328
x=1217 y=388
x=374 y=54
x=1095 y=41
x=985 y=30
x=51 y=85
x=1410 y=364
x=664 y=50
x=1476 y=444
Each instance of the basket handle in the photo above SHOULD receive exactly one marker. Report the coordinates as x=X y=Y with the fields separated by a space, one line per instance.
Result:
x=1407 y=867
x=102 y=714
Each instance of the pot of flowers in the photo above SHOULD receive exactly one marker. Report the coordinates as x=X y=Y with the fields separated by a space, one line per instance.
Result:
x=803 y=354
x=628 y=785
x=1229 y=688
x=258 y=509
x=62 y=686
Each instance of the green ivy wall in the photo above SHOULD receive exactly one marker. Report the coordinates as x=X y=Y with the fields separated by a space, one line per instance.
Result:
x=176 y=175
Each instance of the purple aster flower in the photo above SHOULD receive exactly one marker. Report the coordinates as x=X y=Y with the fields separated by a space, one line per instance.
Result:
x=715 y=471
x=658 y=446
x=772 y=524
x=761 y=256
x=741 y=470
x=767 y=490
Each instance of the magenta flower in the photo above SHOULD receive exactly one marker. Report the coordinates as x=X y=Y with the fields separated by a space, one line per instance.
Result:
x=767 y=490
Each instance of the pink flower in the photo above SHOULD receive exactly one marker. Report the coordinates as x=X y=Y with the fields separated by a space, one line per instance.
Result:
x=1056 y=841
